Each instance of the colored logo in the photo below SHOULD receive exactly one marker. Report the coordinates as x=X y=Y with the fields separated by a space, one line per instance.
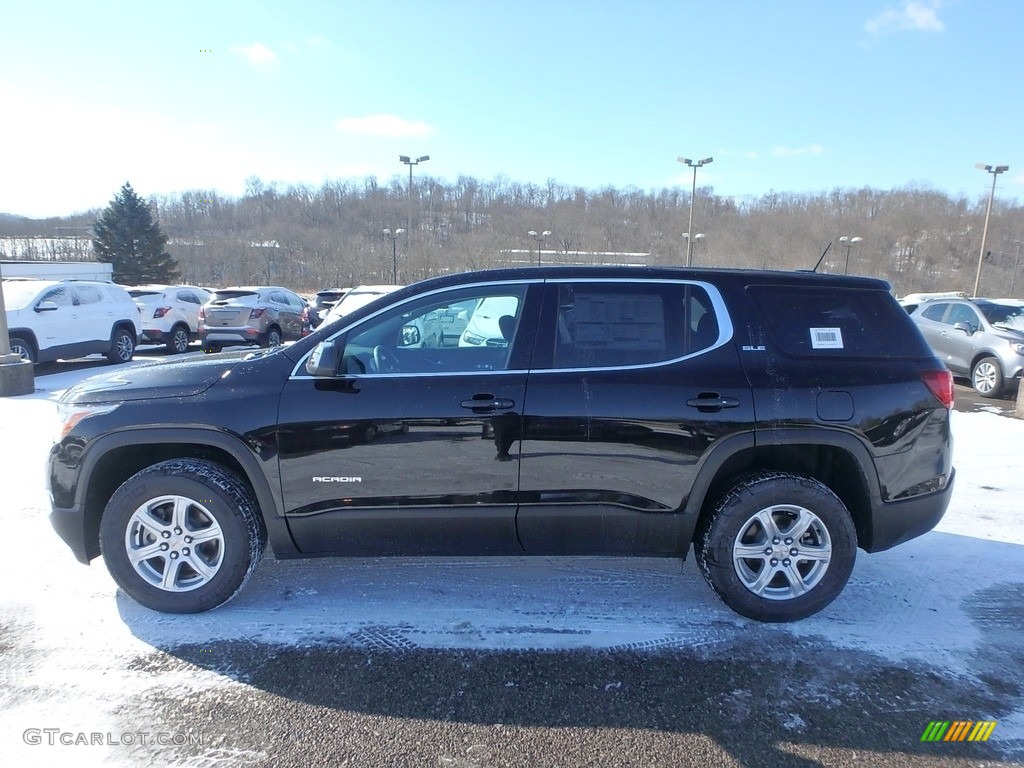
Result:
x=958 y=730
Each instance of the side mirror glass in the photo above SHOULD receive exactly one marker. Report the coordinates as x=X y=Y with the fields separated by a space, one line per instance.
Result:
x=46 y=306
x=323 y=361
x=410 y=336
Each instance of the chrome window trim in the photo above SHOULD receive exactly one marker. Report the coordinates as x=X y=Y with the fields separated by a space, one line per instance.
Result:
x=725 y=330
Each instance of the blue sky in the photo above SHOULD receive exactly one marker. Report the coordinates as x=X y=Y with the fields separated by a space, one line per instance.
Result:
x=790 y=96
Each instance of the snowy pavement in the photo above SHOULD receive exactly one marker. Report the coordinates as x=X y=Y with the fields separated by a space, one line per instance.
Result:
x=73 y=650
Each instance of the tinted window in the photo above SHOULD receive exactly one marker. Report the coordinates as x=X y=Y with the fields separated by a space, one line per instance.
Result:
x=961 y=313
x=837 y=322
x=607 y=325
x=935 y=312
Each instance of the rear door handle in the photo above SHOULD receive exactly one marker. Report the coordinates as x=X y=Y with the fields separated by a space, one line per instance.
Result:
x=487 y=403
x=712 y=402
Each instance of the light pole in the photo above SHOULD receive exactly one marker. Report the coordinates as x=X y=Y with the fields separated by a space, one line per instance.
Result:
x=848 y=243
x=410 y=162
x=995 y=170
x=540 y=238
x=393 y=237
x=693 y=192
x=1016 y=263
x=696 y=239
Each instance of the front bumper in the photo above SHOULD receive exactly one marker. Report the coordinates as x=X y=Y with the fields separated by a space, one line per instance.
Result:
x=70 y=526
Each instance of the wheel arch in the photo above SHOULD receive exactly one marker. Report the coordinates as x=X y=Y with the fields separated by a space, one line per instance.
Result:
x=27 y=334
x=838 y=460
x=114 y=458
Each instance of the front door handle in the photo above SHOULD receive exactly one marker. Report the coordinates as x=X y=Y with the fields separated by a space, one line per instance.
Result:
x=712 y=402
x=487 y=403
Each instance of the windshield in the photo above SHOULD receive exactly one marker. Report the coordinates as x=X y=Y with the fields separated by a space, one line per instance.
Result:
x=1005 y=315
x=18 y=294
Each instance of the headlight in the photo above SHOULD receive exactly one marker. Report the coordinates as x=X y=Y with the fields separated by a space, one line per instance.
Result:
x=472 y=338
x=1017 y=347
x=69 y=415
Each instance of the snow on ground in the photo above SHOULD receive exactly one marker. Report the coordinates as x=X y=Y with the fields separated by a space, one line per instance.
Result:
x=927 y=601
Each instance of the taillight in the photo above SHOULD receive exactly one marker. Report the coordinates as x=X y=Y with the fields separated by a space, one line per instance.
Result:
x=160 y=311
x=257 y=312
x=202 y=314
x=940 y=384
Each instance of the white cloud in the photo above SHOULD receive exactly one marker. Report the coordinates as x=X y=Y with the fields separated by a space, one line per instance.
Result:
x=914 y=15
x=256 y=54
x=810 y=149
x=383 y=125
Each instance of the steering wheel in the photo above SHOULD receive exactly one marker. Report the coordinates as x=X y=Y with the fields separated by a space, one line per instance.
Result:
x=384 y=360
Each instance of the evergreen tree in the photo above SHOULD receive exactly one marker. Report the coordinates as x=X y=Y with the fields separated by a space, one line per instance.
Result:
x=127 y=236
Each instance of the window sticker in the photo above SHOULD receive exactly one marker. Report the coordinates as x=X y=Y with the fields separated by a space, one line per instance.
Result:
x=826 y=338
x=619 y=321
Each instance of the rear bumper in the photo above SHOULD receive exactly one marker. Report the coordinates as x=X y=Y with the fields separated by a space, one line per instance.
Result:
x=899 y=521
x=227 y=336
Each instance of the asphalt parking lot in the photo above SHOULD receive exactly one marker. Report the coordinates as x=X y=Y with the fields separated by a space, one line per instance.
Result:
x=515 y=662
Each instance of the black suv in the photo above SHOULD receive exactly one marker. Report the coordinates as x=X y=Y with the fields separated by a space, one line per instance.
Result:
x=774 y=421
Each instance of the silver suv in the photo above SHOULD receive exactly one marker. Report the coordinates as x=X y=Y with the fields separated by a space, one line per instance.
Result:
x=251 y=315
x=979 y=338
x=49 y=319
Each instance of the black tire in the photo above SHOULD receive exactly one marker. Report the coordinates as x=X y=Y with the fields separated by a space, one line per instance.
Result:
x=160 y=507
x=987 y=377
x=734 y=547
x=272 y=338
x=179 y=340
x=20 y=346
x=122 y=346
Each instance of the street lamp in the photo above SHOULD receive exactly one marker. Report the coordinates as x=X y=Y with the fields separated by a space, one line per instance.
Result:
x=540 y=238
x=848 y=243
x=410 y=162
x=995 y=170
x=393 y=237
x=696 y=239
x=693 y=192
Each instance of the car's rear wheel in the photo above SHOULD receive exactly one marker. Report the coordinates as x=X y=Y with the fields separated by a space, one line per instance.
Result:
x=272 y=338
x=777 y=547
x=122 y=347
x=987 y=377
x=182 y=536
x=23 y=349
x=179 y=340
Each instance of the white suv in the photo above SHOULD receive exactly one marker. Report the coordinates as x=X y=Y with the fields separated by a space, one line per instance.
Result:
x=48 y=319
x=170 y=313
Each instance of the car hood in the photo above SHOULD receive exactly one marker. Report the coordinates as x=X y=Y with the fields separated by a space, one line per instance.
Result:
x=183 y=378
x=1010 y=334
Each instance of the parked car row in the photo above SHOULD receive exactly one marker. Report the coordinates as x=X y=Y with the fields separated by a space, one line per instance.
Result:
x=53 y=319
x=981 y=339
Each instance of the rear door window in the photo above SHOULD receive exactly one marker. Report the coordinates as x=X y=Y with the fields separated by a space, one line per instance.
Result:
x=618 y=324
x=836 y=322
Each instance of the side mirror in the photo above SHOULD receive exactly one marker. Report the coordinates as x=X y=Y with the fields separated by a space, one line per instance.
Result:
x=324 y=359
x=410 y=336
x=46 y=306
x=968 y=331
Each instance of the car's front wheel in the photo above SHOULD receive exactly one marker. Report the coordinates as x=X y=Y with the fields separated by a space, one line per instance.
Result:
x=23 y=349
x=987 y=377
x=182 y=536
x=777 y=547
x=122 y=347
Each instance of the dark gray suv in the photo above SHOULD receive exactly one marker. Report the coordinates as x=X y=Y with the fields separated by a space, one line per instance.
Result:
x=979 y=338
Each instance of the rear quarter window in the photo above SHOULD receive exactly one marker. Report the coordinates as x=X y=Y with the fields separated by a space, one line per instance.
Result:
x=824 y=321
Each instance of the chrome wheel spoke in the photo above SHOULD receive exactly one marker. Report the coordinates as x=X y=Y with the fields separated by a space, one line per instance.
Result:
x=768 y=524
x=141 y=554
x=750 y=552
x=797 y=586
